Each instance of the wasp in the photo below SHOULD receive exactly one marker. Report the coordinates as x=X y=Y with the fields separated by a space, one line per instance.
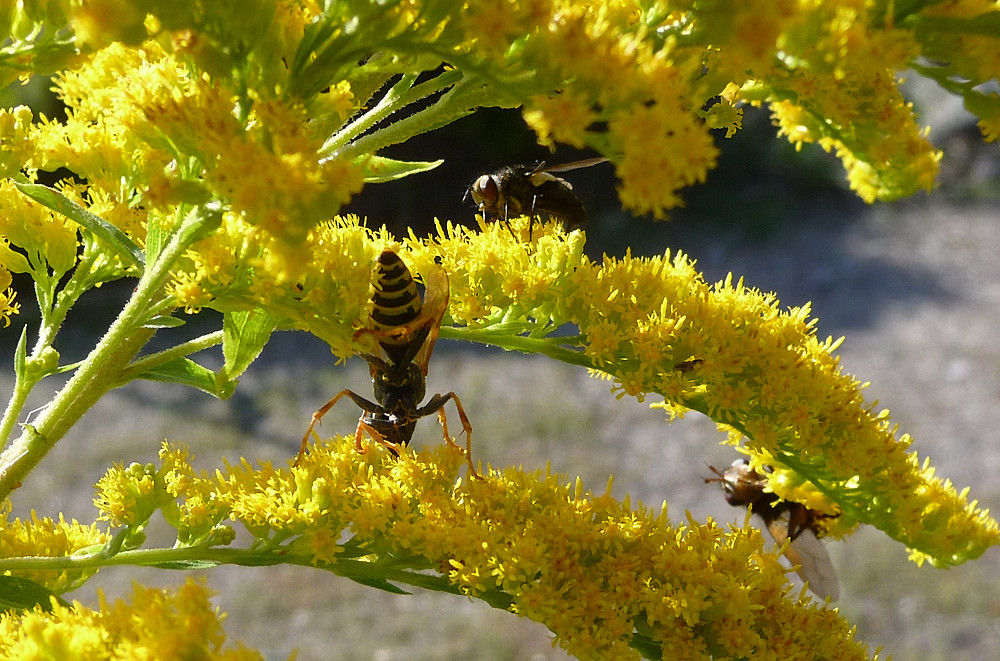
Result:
x=530 y=190
x=784 y=520
x=406 y=328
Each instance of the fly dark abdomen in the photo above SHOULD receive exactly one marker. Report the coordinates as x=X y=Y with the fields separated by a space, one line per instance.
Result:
x=554 y=198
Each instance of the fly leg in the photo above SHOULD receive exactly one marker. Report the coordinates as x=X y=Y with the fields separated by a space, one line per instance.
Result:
x=506 y=219
x=531 y=217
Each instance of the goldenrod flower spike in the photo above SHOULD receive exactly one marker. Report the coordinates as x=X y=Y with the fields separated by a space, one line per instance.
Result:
x=608 y=579
x=654 y=325
x=153 y=624
x=206 y=151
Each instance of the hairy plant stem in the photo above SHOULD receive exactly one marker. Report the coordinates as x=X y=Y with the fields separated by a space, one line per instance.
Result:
x=101 y=370
x=508 y=335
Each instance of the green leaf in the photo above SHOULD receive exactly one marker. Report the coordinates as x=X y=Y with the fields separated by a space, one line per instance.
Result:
x=17 y=594
x=244 y=334
x=164 y=321
x=186 y=564
x=21 y=354
x=189 y=373
x=378 y=583
x=99 y=227
x=928 y=27
x=200 y=223
x=379 y=169
x=156 y=238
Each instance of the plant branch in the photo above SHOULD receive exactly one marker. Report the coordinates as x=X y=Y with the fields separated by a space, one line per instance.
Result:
x=101 y=370
x=400 y=95
x=152 y=361
x=457 y=102
x=508 y=336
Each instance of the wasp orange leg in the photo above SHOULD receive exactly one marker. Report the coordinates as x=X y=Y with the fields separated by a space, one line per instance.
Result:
x=375 y=435
x=438 y=402
x=317 y=418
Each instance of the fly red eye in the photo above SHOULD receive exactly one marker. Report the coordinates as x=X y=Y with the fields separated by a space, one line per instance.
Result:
x=485 y=189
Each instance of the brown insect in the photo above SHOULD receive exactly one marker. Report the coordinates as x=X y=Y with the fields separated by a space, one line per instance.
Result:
x=531 y=190
x=785 y=520
x=406 y=328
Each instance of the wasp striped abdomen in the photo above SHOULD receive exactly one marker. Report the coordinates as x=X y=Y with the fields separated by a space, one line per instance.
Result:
x=397 y=304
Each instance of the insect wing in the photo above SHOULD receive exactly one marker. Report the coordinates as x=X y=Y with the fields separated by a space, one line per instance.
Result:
x=809 y=557
x=566 y=167
x=436 y=294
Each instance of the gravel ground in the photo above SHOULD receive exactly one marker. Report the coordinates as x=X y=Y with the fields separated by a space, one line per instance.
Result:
x=915 y=288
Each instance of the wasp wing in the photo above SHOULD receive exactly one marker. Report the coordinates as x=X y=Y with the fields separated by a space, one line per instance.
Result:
x=809 y=558
x=436 y=294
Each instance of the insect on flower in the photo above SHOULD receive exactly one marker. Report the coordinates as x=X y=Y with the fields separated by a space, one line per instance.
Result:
x=406 y=328
x=744 y=487
x=532 y=190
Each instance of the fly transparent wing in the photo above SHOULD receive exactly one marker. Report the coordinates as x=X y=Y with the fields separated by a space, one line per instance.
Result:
x=809 y=558
x=575 y=165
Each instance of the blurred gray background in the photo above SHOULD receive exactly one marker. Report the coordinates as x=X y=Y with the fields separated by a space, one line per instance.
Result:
x=914 y=286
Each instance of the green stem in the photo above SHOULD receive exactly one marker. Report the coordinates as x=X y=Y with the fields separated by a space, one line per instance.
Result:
x=507 y=336
x=54 y=308
x=365 y=572
x=196 y=557
x=21 y=389
x=457 y=102
x=393 y=100
x=152 y=361
x=101 y=370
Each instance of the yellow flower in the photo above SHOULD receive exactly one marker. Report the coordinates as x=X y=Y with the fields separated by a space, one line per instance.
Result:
x=129 y=495
x=45 y=240
x=563 y=118
x=493 y=25
x=48 y=538
x=664 y=149
x=135 y=113
x=155 y=624
x=588 y=567
x=8 y=306
x=102 y=139
x=16 y=146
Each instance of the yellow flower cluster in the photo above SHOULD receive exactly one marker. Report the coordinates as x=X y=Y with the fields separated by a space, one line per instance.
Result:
x=45 y=240
x=183 y=103
x=600 y=574
x=48 y=538
x=180 y=107
x=33 y=240
x=642 y=74
x=655 y=326
x=153 y=624
x=129 y=495
x=135 y=111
